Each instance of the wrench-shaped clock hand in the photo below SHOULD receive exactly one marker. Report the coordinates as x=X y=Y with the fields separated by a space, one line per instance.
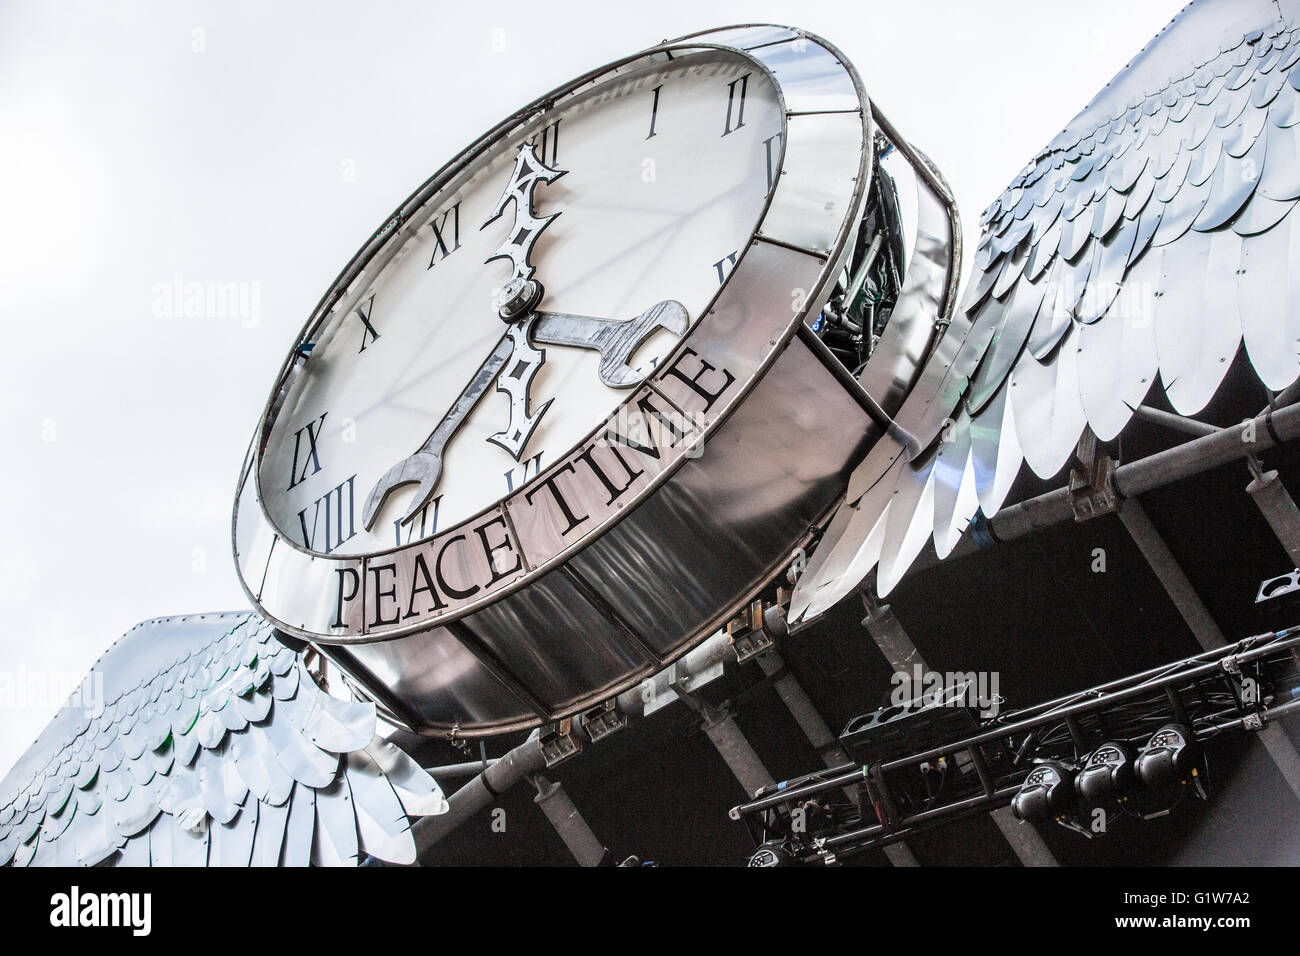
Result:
x=615 y=341
x=515 y=360
x=425 y=465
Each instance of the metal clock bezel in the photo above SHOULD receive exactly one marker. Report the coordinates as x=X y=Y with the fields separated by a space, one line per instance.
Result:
x=307 y=576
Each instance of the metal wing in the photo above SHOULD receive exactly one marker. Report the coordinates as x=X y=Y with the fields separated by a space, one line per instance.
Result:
x=203 y=740
x=1154 y=236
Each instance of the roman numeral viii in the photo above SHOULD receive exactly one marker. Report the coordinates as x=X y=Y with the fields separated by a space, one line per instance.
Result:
x=309 y=455
x=339 y=509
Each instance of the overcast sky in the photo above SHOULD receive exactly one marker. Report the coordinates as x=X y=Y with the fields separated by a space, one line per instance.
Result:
x=152 y=143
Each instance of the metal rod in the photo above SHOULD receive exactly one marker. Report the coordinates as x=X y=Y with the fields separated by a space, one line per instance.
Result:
x=999 y=796
x=1096 y=698
x=733 y=747
x=459 y=769
x=478 y=793
x=1180 y=423
x=860 y=276
x=1171 y=575
x=1238 y=724
x=568 y=822
x=1279 y=510
x=1146 y=474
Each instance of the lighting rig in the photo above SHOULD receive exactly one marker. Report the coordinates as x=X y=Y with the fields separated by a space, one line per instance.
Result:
x=1131 y=747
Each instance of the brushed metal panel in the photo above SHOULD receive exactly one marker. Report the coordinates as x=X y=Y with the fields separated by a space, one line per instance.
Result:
x=556 y=644
x=726 y=520
x=897 y=358
x=811 y=77
x=442 y=682
x=818 y=181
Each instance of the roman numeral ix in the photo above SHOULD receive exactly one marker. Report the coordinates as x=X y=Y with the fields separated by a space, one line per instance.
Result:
x=309 y=456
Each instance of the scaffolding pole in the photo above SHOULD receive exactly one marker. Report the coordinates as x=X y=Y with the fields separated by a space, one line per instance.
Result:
x=895 y=643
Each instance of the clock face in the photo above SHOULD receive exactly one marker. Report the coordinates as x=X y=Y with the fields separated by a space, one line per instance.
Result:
x=567 y=410
x=627 y=203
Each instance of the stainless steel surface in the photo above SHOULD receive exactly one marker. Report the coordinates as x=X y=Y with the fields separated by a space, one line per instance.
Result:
x=907 y=339
x=203 y=740
x=615 y=340
x=815 y=194
x=1152 y=236
x=627 y=551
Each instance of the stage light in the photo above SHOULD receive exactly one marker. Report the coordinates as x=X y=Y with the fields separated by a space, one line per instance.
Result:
x=1169 y=757
x=1046 y=793
x=1107 y=774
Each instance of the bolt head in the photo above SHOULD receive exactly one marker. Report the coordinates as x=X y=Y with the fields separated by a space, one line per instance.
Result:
x=517 y=298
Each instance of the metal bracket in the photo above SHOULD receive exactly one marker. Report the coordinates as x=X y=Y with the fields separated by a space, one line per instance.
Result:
x=603 y=720
x=747 y=635
x=558 y=742
x=1276 y=587
x=1092 y=488
x=1253 y=721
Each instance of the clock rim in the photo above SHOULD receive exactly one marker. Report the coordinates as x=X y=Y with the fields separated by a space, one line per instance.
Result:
x=390 y=230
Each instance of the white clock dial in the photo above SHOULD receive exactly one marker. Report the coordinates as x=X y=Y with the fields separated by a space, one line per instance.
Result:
x=667 y=170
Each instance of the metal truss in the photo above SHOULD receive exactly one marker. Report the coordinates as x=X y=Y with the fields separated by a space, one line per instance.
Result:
x=809 y=819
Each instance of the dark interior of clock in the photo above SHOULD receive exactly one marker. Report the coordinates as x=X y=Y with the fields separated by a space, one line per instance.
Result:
x=868 y=288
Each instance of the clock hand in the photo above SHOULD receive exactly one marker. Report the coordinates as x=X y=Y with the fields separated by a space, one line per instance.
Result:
x=522 y=363
x=616 y=341
x=515 y=361
x=519 y=296
x=425 y=465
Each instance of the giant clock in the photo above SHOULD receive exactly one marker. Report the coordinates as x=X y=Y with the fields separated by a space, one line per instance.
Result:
x=568 y=409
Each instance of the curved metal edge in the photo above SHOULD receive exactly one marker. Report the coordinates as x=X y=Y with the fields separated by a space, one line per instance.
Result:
x=432 y=186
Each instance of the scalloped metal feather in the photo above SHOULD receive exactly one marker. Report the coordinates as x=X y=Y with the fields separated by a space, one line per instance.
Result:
x=207 y=745
x=1155 y=232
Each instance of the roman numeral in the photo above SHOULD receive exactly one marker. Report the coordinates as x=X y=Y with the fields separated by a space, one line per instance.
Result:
x=420 y=526
x=736 y=104
x=547 y=141
x=529 y=469
x=362 y=312
x=654 y=110
x=340 y=522
x=312 y=431
x=441 y=233
x=772 y=153
x=725 y=265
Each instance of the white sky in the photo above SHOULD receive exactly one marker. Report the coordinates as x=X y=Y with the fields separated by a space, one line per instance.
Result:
x=266 y=157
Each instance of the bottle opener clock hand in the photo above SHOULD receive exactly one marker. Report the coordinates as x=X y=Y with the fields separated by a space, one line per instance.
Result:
x=616 y=341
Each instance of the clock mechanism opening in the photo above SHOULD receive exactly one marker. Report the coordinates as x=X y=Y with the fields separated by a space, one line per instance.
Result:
x=900 y=268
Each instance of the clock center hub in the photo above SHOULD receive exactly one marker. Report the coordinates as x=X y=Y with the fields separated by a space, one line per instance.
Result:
x=517 y=298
